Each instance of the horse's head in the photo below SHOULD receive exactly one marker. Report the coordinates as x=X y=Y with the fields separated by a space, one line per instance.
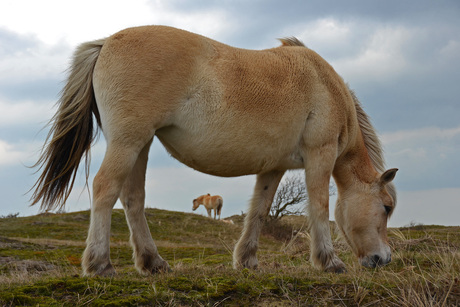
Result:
x=196 y=204
x=362 y=216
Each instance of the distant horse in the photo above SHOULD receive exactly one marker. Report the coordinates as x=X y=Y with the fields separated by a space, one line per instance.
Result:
x=209 y=202
x=223 y=111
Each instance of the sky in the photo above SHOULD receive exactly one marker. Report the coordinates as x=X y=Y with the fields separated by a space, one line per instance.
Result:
x=402 y=58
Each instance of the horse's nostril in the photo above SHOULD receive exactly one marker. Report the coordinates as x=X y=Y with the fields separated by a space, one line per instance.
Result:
x=377 y=260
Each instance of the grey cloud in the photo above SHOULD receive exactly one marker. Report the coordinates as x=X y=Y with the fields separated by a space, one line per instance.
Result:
x=13 y=43
x=274 y=14
x=16 y=181
x=39 y=90
x=427 y=157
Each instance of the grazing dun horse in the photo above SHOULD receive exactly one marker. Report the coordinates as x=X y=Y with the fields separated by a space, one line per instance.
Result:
x=209 y=202
x=223 y=111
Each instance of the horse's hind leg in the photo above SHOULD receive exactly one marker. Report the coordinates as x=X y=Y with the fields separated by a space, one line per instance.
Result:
x=146 y=257
x=245 y=251
x=117 y=164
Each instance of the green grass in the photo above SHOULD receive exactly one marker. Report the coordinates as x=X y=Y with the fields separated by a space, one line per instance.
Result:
x=40 y=265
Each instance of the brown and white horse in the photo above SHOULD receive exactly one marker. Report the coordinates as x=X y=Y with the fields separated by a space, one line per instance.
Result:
x=223 y=111
x=214 y=202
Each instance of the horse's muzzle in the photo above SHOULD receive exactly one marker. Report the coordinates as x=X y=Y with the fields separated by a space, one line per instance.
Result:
x=374 y=261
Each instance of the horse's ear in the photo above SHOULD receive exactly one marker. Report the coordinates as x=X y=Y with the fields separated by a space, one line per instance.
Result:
x=209 y=194
x=388 y=176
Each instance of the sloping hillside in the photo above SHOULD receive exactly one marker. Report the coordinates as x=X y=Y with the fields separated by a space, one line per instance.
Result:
x=40 y=264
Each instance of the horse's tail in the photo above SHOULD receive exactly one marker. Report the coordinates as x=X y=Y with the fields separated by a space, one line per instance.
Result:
x=71 y=133
x=219 y=205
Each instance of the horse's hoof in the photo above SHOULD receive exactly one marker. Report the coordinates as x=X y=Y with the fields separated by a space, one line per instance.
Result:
x=250 y=263
x=153 y=266
x=336 y=266
x=338 y=269
x=161 y=269
x=107 y=271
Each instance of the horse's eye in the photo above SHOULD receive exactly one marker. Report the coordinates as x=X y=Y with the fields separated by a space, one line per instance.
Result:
x=388 y=209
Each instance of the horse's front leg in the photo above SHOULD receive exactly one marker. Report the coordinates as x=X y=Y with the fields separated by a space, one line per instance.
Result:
x=146 y=257
x=319 y=163
x=209 y=212
x=245 y=251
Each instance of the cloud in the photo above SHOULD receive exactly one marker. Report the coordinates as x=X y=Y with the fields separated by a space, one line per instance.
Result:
x=8 y=154
x=451 y=50
x=364 y=50
x=73 y=21
x=324 y=35
x=427 y=134
x=26 y=56
x=381 y=57
x=30 y=73
x=16 y=154
x=428 y=207
x=79 y=21
x=209 y=21
x=22 y=113
x=427 y=157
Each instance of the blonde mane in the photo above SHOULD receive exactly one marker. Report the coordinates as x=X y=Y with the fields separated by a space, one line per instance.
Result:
x=372 y=142
x=291 y=41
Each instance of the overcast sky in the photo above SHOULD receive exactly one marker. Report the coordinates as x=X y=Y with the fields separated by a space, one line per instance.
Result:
x=401 y=57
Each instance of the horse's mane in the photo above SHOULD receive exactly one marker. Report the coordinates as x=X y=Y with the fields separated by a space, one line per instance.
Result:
x=291 y=41
x=372 y=142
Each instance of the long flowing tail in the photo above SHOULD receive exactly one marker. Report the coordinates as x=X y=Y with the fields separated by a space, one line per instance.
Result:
x=71 y=133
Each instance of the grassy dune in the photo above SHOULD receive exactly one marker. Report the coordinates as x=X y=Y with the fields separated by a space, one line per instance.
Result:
x=40 y=265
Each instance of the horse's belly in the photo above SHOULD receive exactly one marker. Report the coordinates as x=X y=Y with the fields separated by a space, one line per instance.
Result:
x=225 y=154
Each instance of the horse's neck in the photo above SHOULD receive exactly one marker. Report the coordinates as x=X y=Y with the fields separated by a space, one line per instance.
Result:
x=354 y=167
